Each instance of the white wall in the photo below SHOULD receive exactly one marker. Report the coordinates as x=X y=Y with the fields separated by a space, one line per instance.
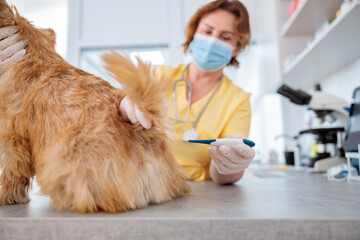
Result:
x=120 y=24
x=47 y=14
x=343 y=82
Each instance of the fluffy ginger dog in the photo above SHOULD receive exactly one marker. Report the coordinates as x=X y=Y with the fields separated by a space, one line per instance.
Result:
x=62 y=124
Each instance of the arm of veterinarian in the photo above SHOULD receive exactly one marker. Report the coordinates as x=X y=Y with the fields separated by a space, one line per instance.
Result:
x=11 y=47
x=227 y=163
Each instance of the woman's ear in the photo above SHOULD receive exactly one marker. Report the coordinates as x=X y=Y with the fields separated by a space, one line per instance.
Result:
x=235 y=51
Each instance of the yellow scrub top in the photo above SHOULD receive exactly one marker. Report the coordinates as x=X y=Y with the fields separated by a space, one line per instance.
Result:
x=228 y=112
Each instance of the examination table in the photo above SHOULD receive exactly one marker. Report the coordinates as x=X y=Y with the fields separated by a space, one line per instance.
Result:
x=265 y=204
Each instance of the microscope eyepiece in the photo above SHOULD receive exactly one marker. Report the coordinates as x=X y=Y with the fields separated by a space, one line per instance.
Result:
x=296 y=96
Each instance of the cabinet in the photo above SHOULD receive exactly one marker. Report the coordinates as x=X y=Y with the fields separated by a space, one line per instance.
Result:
x=312 y=55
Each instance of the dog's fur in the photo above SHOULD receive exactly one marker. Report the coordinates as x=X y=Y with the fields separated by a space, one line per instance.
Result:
x=62 y=124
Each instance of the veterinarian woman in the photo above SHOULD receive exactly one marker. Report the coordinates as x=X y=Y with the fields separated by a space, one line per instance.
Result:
x=203 y=102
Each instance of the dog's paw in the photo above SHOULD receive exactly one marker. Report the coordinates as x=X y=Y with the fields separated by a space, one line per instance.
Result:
x=24 y=200
x=8 y=200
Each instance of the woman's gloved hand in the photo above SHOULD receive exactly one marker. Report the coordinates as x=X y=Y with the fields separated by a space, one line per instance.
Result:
x=228 y=160
x=11 y=47
x=131 y=112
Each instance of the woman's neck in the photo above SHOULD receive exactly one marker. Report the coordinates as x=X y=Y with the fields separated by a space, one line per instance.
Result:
x=202 y=82
x=198 y=76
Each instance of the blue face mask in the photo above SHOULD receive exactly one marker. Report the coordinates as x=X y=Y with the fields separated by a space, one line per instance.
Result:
x=210 y=54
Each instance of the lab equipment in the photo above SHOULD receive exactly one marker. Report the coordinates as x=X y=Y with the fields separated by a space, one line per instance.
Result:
x=327 y=140
x=292 y=149
x=350 y=157
x=291 y=8
x=327 y=107
x=191 y=133
x=352 y=138
x=340 y=172
x=329 y=111
x=231 y=142
x=344 y=7
x=289 y=158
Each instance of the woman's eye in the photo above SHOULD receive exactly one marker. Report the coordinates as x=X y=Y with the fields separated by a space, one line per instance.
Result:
x=226 y=38
x=207 y=31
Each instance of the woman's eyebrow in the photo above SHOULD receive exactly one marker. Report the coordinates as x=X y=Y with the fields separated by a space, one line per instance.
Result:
x=208 y=25
x=230 y=32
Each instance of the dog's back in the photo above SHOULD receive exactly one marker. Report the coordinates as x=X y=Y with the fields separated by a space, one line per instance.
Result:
x=63 y=125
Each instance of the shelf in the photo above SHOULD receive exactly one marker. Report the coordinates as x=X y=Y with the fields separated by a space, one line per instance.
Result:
x=310 y=16
x=339 y=45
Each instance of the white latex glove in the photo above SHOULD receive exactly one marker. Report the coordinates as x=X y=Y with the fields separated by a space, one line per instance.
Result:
x=131 y=111
x=11 y=47
x=229 y=160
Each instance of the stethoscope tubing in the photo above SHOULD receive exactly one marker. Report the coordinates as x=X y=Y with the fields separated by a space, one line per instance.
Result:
x=189 y=99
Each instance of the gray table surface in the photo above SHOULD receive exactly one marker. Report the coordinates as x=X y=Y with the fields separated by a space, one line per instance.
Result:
x=265 y=204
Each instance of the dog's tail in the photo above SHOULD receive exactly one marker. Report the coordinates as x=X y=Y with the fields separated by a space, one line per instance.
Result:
x=141 y=86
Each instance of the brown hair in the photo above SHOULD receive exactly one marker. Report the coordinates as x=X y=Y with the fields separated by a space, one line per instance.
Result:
x=242 y=23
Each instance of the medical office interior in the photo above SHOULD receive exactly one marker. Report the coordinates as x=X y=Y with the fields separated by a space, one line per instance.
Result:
x=299 y=44
x=302 y=68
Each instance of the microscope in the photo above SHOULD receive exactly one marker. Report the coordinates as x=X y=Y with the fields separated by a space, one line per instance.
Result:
x=329 y=110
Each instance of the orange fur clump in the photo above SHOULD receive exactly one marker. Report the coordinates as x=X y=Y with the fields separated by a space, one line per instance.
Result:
x=62 y=124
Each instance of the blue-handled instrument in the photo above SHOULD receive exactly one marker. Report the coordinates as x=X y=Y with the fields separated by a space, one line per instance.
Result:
x=231 y=142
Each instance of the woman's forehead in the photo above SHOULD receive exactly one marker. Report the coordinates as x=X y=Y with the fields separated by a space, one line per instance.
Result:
x=219 y=20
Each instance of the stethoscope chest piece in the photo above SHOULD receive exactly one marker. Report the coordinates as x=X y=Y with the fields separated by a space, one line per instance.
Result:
x=190 y=134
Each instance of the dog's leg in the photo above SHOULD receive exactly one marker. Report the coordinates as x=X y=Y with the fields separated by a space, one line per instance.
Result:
x=16 y=172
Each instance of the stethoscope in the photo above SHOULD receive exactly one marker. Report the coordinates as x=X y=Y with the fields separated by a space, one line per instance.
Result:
x=190 y=134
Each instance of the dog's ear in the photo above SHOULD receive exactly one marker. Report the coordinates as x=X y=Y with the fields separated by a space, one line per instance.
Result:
x=5 y=10
x=49 y=32
x=50 y=35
